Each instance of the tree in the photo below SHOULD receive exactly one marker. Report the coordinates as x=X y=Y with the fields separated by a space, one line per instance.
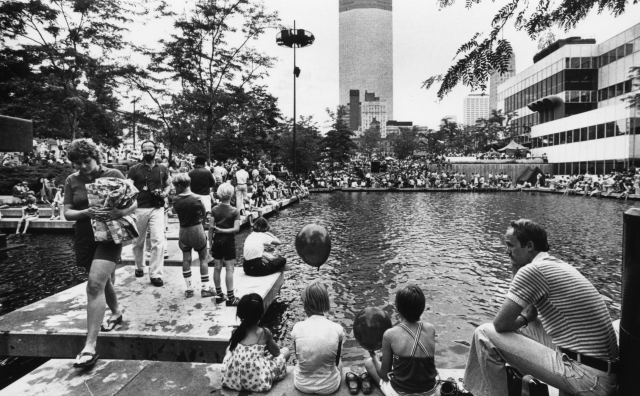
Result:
x=308 y=144
x=337 y=143
x=480 y=56
x=370 y=141
x=210 y=57
x=404 y=142
x=59 y=66
x=449 y=130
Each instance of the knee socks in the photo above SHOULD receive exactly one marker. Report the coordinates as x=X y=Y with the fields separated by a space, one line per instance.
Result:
x=204 y=279
x=230 y=295
x=219 y=291
x=187 y=279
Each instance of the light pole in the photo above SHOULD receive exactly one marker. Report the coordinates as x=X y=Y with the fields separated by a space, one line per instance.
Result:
x=133 y=120
x=294 y=38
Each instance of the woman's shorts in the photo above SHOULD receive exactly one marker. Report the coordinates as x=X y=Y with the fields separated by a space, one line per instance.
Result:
x=88 y=251
x=192 y=238
x=224 y=247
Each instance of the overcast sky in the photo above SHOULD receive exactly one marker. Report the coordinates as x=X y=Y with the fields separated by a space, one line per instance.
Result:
x=425 y=40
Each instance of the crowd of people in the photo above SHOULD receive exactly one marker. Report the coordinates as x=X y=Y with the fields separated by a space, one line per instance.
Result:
x=414 y=173
x=622 y=183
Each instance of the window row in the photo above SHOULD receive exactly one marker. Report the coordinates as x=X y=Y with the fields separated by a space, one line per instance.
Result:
x=566 y=80
x=601 y=167
x=629 y=126
x=615 y=90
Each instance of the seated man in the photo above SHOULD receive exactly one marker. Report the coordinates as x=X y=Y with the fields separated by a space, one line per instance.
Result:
x=553 y=325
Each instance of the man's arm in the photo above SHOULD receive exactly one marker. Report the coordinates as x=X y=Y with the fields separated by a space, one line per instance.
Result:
x=511 y=316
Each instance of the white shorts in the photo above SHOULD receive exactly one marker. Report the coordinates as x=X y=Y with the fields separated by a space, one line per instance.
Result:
x=206 y=202
x=387 y=390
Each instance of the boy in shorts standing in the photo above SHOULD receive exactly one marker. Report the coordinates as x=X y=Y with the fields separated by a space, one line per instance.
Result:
x=225 y=224
x=190 y=212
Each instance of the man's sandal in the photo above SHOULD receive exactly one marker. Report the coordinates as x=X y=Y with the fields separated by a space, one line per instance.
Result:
x=111 y=324
x=88 y=363
x=353 y=383
x=365 y=383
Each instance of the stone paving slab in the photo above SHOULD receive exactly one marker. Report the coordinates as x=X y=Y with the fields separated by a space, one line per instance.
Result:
x=159 y=322
x=140 y=378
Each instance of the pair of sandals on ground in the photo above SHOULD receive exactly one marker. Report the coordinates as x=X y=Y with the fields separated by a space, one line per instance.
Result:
x=93 y=357
x=363 y=382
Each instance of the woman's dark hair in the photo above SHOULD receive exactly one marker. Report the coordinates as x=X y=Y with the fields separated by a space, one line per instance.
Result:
x=51 y=176
x=410 y=303
x=261 y=225
x=526 y=230
x=173 y=164
x=250 y=310
x=80 y=149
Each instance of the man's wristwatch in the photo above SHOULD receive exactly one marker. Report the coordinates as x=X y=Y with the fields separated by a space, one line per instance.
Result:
x=526 y=321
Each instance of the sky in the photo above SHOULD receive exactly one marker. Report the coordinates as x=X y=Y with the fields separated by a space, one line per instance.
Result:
x=425 y=40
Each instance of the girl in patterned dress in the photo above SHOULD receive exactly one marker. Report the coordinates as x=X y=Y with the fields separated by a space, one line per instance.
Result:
x=247 y=365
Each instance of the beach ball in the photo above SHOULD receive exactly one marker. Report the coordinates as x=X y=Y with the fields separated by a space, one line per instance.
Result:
x=369 y=326
x=313 y=244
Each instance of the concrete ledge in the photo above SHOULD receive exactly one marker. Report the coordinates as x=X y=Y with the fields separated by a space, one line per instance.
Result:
x=17 y=212
x=547 y=190
x=40 y=224
x=140 y=378
x=159 y=322
x=413 y=190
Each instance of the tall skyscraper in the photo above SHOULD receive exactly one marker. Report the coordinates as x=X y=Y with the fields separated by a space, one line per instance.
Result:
x=496 y=79
x=366 y=50
x=475 y=106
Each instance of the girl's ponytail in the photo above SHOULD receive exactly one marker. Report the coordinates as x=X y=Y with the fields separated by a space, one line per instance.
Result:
x=250 y=310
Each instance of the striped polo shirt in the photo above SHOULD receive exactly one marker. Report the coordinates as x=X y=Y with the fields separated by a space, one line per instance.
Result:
x=570 y=308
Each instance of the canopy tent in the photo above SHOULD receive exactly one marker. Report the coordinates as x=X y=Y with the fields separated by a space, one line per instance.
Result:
x=512 y=147
x=531 y=176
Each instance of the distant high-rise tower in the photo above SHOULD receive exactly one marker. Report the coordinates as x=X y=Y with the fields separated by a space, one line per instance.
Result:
x=475 y=106
x=496 y=79
x=366 y=50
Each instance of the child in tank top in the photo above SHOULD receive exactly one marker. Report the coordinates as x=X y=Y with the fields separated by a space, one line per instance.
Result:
x=407 y=366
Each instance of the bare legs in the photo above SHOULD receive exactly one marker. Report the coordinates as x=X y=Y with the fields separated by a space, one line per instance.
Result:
x=229 y=266
x=100 y=290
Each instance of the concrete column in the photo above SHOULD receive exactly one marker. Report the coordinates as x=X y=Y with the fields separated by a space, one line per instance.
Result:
x=630 y=318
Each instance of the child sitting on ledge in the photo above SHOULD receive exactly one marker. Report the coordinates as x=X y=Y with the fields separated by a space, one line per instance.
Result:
x=247 y=365
x=318 y=345
x=31 y=212
x=407 y=365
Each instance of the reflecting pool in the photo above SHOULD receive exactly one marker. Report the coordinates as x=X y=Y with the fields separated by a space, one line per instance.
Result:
x=449 y=244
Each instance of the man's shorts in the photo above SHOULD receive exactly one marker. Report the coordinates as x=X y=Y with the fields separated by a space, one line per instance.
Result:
x=192 y=238
x=224 y=247
x=206 y=202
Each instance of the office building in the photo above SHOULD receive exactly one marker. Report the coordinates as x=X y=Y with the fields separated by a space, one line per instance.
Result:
x=475 y=106
x=496 y=78
x=570 y=104
x=374 y=109
x=366 y=50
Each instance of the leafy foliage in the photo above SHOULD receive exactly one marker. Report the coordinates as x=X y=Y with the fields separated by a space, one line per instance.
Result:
x=480 y=56
x=10 y=176
x=405 y=142
x=370 y=141
x=308 y=144
x=59 y=68
x=338 y=144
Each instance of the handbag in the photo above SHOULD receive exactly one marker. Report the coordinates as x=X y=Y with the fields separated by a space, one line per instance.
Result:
x=519 y=385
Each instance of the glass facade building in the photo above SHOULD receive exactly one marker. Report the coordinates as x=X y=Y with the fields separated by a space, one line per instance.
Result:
x=569 y=105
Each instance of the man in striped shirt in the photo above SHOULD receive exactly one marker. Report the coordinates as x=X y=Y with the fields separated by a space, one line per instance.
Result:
x=553 y=325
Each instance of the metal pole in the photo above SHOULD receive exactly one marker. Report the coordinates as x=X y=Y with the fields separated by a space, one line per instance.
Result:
x=134 y=123
x=295 y=168
x=630 y=316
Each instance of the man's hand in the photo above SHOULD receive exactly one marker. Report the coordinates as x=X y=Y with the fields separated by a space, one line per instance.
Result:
x=106 y=214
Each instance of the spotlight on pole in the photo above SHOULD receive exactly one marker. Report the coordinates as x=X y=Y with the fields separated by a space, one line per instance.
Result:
x=294 y=38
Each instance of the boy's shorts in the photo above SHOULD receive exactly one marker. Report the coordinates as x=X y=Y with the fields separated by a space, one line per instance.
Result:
x=224 y=247
x=192 y=238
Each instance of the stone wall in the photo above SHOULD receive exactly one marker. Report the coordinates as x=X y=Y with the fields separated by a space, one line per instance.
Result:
x=514 y=170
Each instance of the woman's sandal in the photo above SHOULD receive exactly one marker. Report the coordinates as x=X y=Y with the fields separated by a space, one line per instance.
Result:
x=111 y=324
x=365 y=383
x=88 y=363
x=353 y=383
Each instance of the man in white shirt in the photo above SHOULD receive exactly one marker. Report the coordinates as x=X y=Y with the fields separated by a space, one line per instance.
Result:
x=241 y=189
x=219 y=174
